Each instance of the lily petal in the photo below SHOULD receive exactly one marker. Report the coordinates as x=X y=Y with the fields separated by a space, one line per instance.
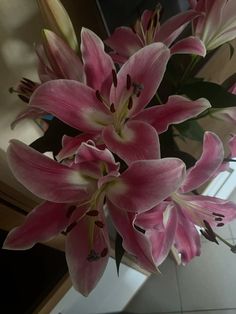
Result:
x=73 y=103
x=45 y=177
x=162 y=233
x=176 y=110
x=87 y=260
x=206 y=167
x=190 y=45
x=124 y=41
x=146 y=183
x=232 y=146
x=44 y=222
x=63 y=60
x=134 y=241
x=29 y=112
x=146 y=69
x=172 y=28
x=137 y=141
x=187 y=239
x=217 y=212
x=98 y=64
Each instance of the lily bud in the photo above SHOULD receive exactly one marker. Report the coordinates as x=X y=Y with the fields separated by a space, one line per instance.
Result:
x=58 y=20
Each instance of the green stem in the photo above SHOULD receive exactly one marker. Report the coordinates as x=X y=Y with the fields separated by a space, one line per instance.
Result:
x=158 y=98
x=189 y=68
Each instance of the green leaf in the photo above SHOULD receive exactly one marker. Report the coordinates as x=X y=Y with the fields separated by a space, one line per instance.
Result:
x=191 y=130
x=216 y=94
x=119 y=251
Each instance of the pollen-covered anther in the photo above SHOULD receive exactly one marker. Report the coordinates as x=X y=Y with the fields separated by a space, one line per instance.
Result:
x=218 y=219
x=128 y=82
x=104 y=252
x=114 y=77
x=93 y=256
x=99 y=223
x=221 y=224
x=112 y=108
x=92 y=213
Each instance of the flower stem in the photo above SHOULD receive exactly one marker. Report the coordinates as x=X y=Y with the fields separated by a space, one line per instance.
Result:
x=158 y=99
x=231 y=246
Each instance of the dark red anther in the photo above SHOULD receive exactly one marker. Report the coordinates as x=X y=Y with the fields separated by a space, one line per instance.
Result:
x=70 y=210
x=93 y=256
x=112 y=108
x=114 y=77
x=92 y=213
x=219 y=215
x=218 y=219
x=98 y=95
x=221 y=224
x=128 y=81
x=104 y=252
x=71 y=226
x=99 y=223
x=130 y=103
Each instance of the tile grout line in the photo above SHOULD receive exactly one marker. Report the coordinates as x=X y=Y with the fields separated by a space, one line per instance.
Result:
x=178 y=286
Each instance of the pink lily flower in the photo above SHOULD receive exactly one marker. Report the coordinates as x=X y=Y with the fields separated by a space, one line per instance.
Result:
x=125 y=41
x=75 y=196
x=172 y=222
x=115 y=111
x=107 y=109
x=216 y=25
x=196 y=209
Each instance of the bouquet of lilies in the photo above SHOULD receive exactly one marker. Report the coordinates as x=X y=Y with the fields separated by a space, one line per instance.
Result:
x=116 y=113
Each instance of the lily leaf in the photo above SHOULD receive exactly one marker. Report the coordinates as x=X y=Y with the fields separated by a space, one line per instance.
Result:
x=119 y=251
x=216 y=94
x=191 y=130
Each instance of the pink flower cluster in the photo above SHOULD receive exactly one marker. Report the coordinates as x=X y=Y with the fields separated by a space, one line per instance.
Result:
x=150 y=201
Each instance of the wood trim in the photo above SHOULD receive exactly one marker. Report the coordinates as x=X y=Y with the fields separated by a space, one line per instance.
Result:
x=54 y=296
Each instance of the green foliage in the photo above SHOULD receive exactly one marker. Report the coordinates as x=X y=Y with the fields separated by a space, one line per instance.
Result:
x=119 y=251
x=216 y=94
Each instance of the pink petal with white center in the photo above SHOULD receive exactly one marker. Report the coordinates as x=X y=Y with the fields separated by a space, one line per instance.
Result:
x=208 y=164
x=98 y=64
x=146 y=69
x=44 y=222
x=87 y=254
x=124 y=41
x=45 y=177
x=217 y=212
x=134 y=241
x=172 y=28
x=232 y=146
x=71 y=145
x=190 y=45
x=137 y=141
x=146 y=183
x=187 y=239
x=63 y=60
x=72 y=102
x=29 y=112
x=176 y=110
x=162 y=233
